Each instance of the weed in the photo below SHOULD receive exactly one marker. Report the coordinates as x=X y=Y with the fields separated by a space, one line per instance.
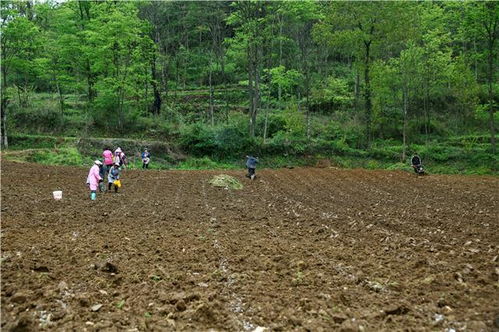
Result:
x=156 y=278
x=298 y=279
x=120 y=304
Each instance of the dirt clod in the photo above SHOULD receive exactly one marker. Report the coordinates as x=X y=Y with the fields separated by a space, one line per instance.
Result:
x=109 y=267
x=180 y=305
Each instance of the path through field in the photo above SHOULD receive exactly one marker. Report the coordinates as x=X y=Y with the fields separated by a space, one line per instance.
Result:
x=296 y=249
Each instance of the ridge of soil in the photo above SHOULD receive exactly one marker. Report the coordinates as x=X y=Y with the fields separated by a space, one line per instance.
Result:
x=296 y=249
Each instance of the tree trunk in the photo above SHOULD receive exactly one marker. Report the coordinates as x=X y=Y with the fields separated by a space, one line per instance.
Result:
x=256 y=94
x=490 y=79
x=61 y=97
x=90 y=83
x=4 y=142
x=3 y=116
x=265 y=127
x=212 y=116
x=19 y=99
x=357 y=90
x=426 y=99
x=367 y=92
x=404 y=130
x=251 y=92
x=279 y=88
x=309 y=117
x=156 y=106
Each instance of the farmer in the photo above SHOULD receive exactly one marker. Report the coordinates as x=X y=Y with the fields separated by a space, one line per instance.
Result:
x=93 y=179
x=102 y=174
x=113 y=177
x=251 y=165
x=146 y=158
x=108 y=160
x=416 y=160
x=120 y=157
x=417 y=164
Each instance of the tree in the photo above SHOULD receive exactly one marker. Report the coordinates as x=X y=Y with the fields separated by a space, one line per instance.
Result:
x=482 y=24
x=249 y=17
x=410 y=75
x=19 y=47
x=368 y=30
x=121 y=44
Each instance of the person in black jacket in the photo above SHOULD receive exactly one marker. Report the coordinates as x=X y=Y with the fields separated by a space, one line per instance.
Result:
x=417 y=164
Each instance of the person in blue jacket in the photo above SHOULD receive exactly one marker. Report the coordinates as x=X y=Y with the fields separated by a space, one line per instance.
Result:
x=251 y=165
x=146 y=158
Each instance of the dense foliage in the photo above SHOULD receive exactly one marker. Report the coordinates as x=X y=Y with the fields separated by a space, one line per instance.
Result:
x=224 y=78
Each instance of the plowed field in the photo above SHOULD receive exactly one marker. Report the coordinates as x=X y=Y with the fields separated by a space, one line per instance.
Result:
x=315 y=249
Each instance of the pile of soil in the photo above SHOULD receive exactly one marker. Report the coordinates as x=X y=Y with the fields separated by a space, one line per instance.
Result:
x=295 y=249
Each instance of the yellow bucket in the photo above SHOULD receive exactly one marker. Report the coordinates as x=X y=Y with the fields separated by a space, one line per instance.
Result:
x=117 y=183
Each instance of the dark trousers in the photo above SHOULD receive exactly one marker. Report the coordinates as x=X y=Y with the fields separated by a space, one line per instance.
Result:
x=111 y=184
x=144 y=165
x=251 y=171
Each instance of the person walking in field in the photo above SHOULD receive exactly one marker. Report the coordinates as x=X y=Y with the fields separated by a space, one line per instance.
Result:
x=146 y=158
x=108 y=160
x=251 y=165
x=93 y=179
x=113 y=178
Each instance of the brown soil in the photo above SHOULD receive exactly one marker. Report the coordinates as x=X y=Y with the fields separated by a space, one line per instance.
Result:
x=297 y=249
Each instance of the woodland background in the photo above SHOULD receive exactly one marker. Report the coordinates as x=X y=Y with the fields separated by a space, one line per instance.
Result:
x=203 y=83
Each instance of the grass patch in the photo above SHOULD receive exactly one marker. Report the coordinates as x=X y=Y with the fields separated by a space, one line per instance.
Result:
x=226 y=181
x=62 y=156
x=454 y=155
x=205 y=163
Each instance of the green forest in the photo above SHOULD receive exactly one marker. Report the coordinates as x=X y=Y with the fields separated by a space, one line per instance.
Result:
x=203 y=83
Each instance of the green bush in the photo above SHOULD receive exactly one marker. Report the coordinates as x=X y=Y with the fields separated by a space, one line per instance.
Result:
x=198 y=139
x=67 y=157
x=40 y=120
x=23 y=142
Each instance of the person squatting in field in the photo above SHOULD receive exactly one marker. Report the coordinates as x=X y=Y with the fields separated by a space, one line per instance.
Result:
x=146 y=158
x=93 y=179
x=251 y=165
x=113 y=177
x=417 y=164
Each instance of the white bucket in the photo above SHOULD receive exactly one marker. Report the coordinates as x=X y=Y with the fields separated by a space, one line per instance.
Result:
x=57 y=195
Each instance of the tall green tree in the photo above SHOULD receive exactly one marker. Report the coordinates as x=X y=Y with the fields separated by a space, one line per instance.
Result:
x=20 y=45
x=121 y=57
x=369 y=30
x=482 y=24
x=249 y=19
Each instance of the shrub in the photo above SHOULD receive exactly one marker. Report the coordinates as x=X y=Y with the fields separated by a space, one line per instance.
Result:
x=198 y=139
x=67 y=156
x=42 y=120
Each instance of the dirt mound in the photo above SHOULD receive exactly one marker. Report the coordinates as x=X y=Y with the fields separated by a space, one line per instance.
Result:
x=296 y=249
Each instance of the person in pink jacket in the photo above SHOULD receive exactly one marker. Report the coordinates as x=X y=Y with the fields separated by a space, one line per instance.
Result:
x=93 y=179
x=108 y=160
